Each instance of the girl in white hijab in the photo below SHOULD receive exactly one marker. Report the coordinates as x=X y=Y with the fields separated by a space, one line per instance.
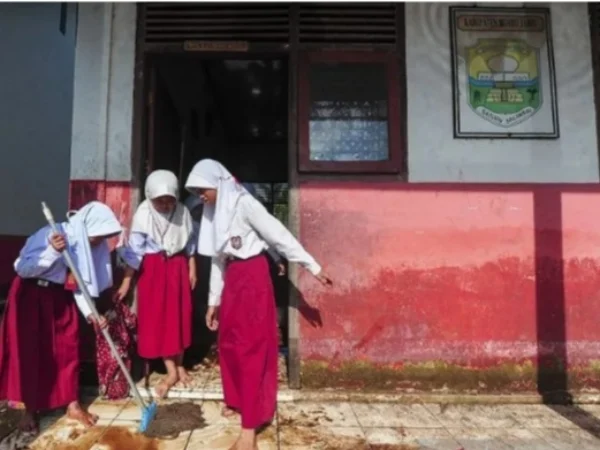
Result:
x=162 y=251
x=39 y=334
x=235 y=232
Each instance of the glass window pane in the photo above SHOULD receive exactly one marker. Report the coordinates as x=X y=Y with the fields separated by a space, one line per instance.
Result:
x=348 y=112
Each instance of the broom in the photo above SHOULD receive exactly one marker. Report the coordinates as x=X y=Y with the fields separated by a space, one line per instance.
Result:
x=148 y=411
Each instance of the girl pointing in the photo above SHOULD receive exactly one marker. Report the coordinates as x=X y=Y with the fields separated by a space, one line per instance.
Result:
x=235 y=232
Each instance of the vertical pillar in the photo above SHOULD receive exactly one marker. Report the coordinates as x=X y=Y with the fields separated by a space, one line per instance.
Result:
x=101 y=166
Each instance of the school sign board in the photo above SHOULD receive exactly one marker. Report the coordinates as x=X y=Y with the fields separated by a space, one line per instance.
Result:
x=503 y=73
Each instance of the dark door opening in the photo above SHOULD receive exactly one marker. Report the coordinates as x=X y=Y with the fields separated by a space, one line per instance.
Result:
x=234 y=111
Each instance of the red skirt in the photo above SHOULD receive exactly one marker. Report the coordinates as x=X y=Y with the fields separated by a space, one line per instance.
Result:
x=164 y=306
x=248 y=341
x=39 y=346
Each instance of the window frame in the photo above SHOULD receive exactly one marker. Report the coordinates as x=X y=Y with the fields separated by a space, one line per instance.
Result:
x=396 y=119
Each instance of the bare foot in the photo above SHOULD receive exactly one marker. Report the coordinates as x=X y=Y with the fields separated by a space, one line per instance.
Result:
x=184 y=377
x=76 y=412
x=244 y=443
x=163 y=388
x=228 y=412
x=28 y=423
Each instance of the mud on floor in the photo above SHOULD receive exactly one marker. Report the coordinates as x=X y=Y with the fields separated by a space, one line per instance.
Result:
x=170 y=421
x=9 y=418
x=173 y=419
x=319 y=439
x=97 y=438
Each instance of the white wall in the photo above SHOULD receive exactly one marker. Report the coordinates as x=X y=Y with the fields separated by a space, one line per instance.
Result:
x=36 y=95
x=435 y=156
x=103 y=98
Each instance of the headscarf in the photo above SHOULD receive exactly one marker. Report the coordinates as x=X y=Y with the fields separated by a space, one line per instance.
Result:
x=93 y=220
x=171 y=231
x=216 y=218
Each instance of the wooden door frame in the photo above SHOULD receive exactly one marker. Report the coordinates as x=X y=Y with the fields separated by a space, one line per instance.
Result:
x=145 y=54
x=291 y=50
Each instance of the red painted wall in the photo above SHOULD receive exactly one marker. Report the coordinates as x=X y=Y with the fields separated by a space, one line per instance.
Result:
x=470 y=274
x=116 y=194
x=10 y=246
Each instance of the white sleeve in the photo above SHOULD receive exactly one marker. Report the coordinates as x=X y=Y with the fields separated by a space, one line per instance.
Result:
x=216 y=281
x=82 y=304
x=33 y=264
x=278 y=236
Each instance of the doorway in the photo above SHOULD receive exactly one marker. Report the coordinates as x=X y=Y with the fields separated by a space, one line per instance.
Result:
x=233 y=110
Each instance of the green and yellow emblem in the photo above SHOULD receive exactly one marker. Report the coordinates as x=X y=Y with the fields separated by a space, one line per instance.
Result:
x=504 y=84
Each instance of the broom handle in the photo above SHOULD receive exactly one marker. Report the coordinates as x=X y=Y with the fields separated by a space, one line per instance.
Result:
x=88 y=299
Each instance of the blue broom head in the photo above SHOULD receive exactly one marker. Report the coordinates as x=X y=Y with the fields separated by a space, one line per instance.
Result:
x=148 y=415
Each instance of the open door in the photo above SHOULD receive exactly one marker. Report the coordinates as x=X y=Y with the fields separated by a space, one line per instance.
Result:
x=165 y=141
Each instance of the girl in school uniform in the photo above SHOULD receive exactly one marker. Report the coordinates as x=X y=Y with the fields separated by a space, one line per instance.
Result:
x=161 y=241
x=235 y=231
x=39 y=334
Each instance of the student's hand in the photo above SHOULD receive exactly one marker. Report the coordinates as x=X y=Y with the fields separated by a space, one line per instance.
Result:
x=123 y=289
x=281 y=267
x=101 y=324
x=193 y=278
x=212 y=321
x=324 y=279
x=58 y=242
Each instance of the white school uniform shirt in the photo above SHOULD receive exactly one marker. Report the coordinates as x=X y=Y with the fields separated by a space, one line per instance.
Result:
x=254 y=230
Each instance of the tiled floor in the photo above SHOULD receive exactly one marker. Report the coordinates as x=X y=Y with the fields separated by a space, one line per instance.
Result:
x=340 y=426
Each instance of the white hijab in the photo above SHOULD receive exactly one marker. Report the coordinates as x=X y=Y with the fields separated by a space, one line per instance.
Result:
x=171 y=231
x=94 y=265
x=216 y=219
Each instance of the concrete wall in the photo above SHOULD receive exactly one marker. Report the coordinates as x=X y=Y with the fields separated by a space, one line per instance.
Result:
x=101 y=161
x=103 y=93
x=461 y=266
x=407 y=286
x=434 y=156
x=36 y=88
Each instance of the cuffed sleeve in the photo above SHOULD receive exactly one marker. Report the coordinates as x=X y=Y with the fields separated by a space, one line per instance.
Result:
x=36 y=264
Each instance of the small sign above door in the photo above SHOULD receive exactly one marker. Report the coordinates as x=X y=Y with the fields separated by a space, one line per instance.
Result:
x=215 y=46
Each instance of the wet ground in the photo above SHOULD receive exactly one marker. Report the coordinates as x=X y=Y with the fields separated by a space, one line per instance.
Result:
x=198 y=425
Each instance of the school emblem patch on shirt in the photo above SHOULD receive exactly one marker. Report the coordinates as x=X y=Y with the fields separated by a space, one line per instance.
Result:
x=236 y=242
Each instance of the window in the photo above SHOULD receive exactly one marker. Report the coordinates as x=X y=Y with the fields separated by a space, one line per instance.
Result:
x=274 y=197
x=349 y=113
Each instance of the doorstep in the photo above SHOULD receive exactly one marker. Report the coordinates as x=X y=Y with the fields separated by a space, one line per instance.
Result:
x=287 y=395
x=206 y=384
x=284 y=395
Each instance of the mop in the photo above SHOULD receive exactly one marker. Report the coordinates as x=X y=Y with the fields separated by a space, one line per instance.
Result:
x=148 y=411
